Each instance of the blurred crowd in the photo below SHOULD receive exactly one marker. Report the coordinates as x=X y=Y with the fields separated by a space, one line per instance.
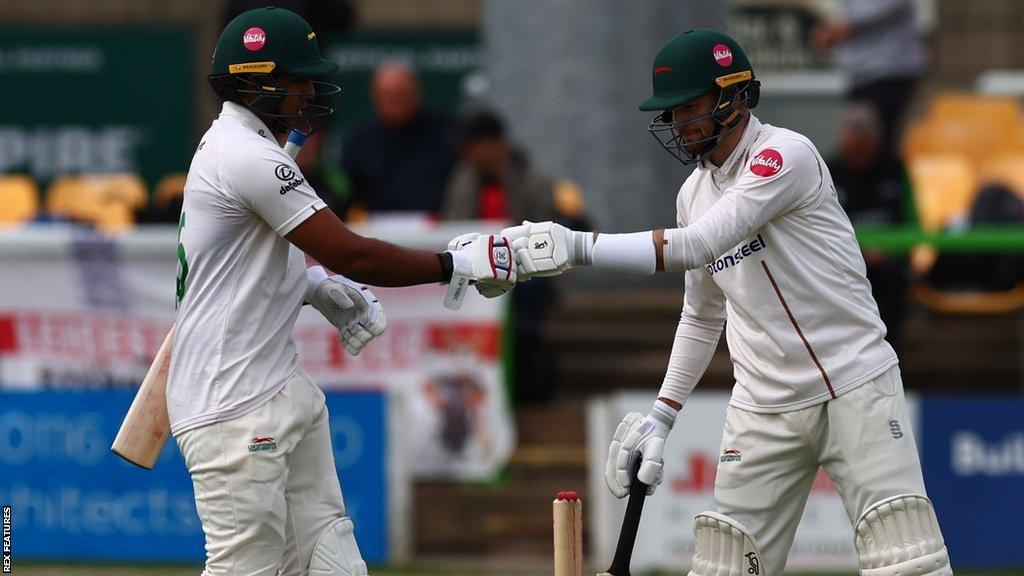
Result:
x=943 y=170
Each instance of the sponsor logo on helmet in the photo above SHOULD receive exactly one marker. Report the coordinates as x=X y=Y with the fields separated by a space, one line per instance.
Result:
x=259 y=67
x=662 y=70
x=723 y=54
x=254 y=38
x=768 y=162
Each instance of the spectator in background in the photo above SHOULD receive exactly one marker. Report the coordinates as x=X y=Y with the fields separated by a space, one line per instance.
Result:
x=877 y=43
x=330 y=183
x=400 y=160
x=494 y=181
x=872 y=186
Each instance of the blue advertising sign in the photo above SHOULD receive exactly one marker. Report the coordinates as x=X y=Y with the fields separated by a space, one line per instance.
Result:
x=72 y=499
x=972 y=451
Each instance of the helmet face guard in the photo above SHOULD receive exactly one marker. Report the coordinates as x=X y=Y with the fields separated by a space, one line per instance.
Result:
x=260 y=43
x=263 y=94
x=668 y=133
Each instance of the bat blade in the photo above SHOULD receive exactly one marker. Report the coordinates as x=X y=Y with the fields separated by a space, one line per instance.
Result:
x=145 y=428
x=630 y=525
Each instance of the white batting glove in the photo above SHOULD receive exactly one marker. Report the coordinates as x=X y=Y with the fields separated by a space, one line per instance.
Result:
x=547 y=249
x=460 y=242
x=487 y=261
x=485 y=290
x=639 y=437
x=352 y=309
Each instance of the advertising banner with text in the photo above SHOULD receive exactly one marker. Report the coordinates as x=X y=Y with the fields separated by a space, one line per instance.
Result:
x=83 y=311
x=824 y=539
x=71 y=498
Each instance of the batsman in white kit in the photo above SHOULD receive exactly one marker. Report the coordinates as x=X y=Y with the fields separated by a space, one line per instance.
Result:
x=253 y=428
x=768 y=252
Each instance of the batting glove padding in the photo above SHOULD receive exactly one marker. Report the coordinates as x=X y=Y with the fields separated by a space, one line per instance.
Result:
x=352 y=309
x=546 y=248
x=639 y=437
x=486 y=260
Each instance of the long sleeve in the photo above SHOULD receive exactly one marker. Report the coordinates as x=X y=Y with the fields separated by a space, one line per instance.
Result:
x=700 y=327
x=779 y=179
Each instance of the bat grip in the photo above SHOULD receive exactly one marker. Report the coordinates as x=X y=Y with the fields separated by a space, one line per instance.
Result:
x=456 y=293
x=630 y=524
x=294 y=143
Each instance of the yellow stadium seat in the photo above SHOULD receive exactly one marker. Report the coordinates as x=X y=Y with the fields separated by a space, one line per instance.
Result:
x=943 y=185
x=105 y=200
x=568 y=198
x=170 y=187
x=1006 y=169
x=999 y=110
x=974 y=140
x=19 y=199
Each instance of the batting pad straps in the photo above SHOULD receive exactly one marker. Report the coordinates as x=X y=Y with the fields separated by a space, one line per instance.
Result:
x=631 y=253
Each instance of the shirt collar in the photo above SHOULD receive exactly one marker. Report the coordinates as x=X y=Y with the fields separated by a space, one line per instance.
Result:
x=247 y=118
x=750 y=133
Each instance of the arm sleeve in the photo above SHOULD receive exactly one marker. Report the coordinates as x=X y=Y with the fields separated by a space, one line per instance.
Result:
x=700 y=327
x=781 y=177
x=266 y=181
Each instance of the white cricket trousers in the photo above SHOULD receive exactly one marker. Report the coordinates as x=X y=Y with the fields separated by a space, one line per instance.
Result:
x=265 y=484
x=863 y=440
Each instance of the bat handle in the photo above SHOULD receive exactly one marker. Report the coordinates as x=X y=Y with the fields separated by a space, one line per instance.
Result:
x=294 y=143
x=630 y=524
x=457 y=287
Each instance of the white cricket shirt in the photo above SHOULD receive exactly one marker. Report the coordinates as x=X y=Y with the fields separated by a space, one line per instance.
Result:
x=240 y=283
x=787 y=276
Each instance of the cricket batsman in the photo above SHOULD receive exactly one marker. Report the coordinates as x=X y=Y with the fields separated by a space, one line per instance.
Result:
x=252 y=427
x=766 y=246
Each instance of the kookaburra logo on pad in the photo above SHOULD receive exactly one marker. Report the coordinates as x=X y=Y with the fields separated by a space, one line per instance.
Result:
x=755 y=564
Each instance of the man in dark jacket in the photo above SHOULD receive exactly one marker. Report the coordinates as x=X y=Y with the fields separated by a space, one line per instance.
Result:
x=492 y=181
x=400 y=160
x=872 y=187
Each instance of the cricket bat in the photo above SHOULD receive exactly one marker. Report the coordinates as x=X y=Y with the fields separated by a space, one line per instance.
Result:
x=630 y=525
x=146 y=426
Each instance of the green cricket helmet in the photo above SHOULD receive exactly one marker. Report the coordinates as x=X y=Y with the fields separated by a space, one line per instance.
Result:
x=259 y=44
x=692 y=64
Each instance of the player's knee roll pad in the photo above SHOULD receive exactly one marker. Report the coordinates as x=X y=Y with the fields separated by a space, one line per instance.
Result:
x=900 y=536
x=724 y=547
x=336 y=554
